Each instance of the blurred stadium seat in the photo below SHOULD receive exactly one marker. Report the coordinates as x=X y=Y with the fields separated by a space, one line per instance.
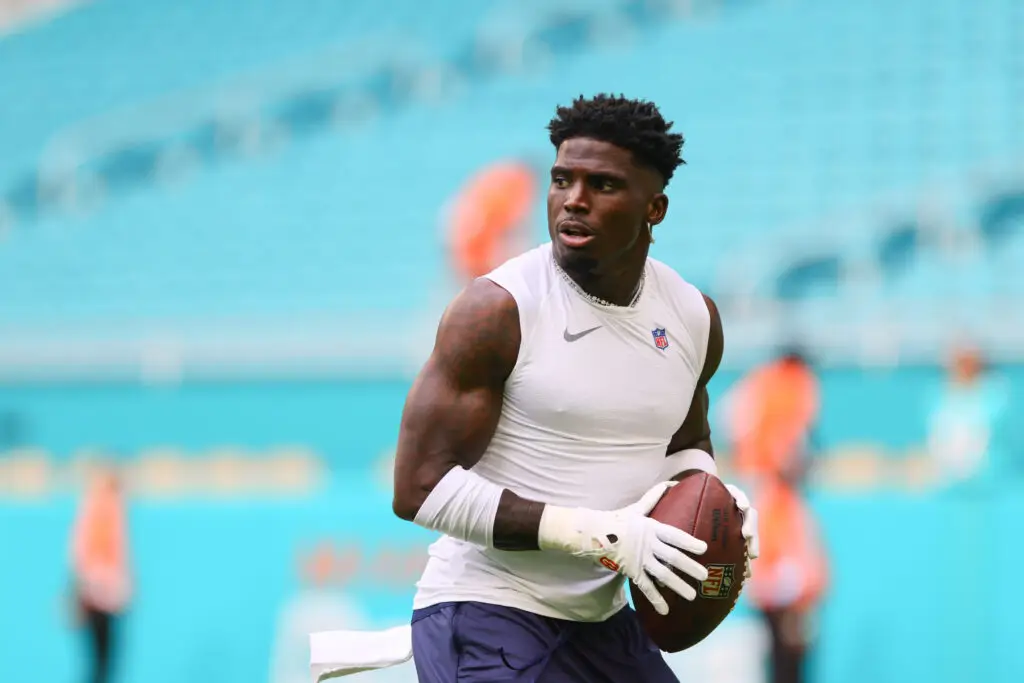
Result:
x=298 y=144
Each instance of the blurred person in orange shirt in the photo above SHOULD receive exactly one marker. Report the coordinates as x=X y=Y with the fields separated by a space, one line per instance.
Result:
x=487 y=222
x=771 y=414
x=99 y=561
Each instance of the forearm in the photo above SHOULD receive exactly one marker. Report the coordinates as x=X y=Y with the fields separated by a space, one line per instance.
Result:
x=466 y=506
x=517 y=522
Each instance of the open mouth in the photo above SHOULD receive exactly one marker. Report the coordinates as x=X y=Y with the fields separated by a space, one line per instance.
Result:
x=573 y=234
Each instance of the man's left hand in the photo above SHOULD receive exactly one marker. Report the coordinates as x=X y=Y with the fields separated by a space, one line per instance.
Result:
x=749 y=528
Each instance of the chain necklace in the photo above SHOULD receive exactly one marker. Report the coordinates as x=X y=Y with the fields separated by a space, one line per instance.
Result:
x=598 y=300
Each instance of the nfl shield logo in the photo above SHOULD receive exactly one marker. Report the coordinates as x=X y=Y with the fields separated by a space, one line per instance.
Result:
x=660 y=339
x=718 y=585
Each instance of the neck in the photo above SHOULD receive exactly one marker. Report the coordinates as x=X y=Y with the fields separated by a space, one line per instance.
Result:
x=617 y=286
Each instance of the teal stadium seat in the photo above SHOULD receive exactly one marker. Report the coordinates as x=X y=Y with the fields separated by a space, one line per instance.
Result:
x=785 y=127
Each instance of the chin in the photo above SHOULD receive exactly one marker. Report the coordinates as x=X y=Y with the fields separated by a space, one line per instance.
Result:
x=575 y=261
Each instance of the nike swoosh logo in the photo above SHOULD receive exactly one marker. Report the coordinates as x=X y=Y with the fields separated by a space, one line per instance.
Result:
x=579 y=335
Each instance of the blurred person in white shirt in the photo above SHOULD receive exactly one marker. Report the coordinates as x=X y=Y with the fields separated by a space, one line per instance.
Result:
x=965 y=421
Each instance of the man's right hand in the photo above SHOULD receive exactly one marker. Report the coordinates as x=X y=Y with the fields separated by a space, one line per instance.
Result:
x=629 y=542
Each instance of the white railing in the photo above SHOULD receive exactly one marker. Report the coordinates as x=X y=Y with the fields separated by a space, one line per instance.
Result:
x=385 y=344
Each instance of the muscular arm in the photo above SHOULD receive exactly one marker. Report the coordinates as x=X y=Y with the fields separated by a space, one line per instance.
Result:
x=452 y=410
x=695 y=432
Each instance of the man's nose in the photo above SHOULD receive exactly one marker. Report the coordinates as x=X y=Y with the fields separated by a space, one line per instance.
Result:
x=578 y=199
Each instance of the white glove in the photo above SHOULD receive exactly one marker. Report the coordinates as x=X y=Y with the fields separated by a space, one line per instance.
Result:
x=749 y=528
x=629 y=542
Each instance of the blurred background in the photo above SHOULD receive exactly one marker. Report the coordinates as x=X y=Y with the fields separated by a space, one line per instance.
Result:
x=227 y=231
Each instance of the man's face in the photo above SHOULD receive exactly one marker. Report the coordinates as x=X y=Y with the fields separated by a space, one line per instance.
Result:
x=599 y=203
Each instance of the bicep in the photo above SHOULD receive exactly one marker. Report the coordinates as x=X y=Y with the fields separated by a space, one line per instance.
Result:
x=446 y=423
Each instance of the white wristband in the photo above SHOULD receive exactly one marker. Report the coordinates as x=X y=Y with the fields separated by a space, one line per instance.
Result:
x=462 y=505
x=559 y=529
x=690 y=459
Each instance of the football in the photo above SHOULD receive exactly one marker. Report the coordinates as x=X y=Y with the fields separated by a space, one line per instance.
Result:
x=699 y=505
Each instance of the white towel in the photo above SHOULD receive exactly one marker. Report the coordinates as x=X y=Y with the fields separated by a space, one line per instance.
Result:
x=342 y=653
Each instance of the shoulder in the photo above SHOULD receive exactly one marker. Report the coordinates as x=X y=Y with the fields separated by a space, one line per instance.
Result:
x=529 y=278
x=676 y=289
x=478 y=336
x=716 y=341
x=696 y=310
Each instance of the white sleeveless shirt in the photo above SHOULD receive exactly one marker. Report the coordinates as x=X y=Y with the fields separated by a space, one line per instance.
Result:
x=595 y=396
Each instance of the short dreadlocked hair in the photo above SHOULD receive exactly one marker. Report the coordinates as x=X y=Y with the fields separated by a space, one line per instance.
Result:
x=636 y=125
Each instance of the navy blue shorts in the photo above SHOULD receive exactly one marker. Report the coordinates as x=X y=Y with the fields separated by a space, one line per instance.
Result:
x=473 y=642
